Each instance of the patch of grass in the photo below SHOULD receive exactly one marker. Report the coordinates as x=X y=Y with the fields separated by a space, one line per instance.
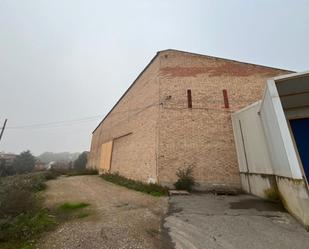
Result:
x=272 y=195
x=69 y=210
x=307 y=228
x=28 y=245
x=152 y=189
x=69 y=206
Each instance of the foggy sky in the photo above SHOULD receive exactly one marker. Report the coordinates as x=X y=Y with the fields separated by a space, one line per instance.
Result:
x=70 y=59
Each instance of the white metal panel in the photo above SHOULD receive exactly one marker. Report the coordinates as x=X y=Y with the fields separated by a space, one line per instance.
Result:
x=282 y=152
x=252 y=149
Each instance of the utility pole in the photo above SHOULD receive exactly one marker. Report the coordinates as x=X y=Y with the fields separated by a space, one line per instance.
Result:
x=3 y=128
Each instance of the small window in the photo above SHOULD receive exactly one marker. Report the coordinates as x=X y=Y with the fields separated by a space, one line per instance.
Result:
x=189 y=96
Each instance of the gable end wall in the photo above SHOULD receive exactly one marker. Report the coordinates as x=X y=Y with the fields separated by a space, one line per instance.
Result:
x=202 y=137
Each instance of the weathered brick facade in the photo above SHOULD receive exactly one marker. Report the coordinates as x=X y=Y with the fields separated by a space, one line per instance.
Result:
x=155 y=133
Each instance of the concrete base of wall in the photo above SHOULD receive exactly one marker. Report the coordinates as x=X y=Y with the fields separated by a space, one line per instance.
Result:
x=295 y=197
x=293 y=193
x=211 y=187
x=257 y=184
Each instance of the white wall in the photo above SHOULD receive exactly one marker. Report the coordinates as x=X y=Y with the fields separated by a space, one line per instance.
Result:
x=251 y=146
x=266 y=154
x=280 y=145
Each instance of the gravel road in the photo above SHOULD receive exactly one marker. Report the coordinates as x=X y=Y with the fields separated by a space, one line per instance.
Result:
x=120 y=218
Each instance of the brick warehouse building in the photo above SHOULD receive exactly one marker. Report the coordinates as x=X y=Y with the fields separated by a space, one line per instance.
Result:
x=176 y=114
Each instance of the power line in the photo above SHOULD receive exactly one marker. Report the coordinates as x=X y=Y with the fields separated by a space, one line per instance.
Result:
x=62 y=123
x=56 y=123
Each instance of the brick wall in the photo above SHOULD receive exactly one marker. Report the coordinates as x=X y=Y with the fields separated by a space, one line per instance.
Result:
x=155 y=132
x=203 y=136
x=132 y=126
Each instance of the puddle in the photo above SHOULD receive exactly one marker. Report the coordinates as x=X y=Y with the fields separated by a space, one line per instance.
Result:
x=259 y=205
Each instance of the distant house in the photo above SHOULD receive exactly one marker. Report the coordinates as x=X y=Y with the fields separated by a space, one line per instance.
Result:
x=60 y=165
x=8 y=158
x=39 y=165
x=177 y=113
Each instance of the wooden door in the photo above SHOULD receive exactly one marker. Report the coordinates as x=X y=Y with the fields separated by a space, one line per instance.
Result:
x=106 y=156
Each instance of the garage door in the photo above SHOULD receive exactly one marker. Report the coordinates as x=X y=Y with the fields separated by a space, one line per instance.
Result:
x=300 y=128
x=106 y=156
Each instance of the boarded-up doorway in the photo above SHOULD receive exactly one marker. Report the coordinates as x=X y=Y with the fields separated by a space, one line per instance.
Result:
x=106 y=156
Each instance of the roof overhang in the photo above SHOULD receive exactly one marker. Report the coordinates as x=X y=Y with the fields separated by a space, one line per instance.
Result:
x=293 y=90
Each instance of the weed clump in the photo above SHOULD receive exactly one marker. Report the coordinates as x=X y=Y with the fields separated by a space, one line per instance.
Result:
x=272 y=194
x=151 y=188
x=185 y=179
x=82 y=172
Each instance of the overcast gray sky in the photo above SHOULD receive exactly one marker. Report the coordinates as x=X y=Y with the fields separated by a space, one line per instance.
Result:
x=66 y=60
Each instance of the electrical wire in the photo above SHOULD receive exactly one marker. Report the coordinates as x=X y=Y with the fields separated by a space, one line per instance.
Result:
x=84 y=120
x=62 y=123
x=56 y=123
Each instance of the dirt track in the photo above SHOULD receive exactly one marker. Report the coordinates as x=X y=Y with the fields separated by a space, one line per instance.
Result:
x=120 y=218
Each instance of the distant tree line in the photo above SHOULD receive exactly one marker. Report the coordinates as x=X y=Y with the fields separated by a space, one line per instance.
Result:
x=48 y=157
x=22 y=163
x=25 y=163
x=81 y=161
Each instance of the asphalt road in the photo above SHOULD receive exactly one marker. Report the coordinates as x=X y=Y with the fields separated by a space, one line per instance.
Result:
x=209 y=221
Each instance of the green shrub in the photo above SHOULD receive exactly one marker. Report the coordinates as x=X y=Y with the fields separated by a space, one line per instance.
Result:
x=24 y=162
x=81 y=162
x=17 y=193
x=59 y=171
x=51 y=174
x=82 y=172
x=25 y=226
x=152 y=188
x=16 y=201
x=21 y=217
x=185 y=179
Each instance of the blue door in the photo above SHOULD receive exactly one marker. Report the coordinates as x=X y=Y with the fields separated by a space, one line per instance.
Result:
x=300 y=128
